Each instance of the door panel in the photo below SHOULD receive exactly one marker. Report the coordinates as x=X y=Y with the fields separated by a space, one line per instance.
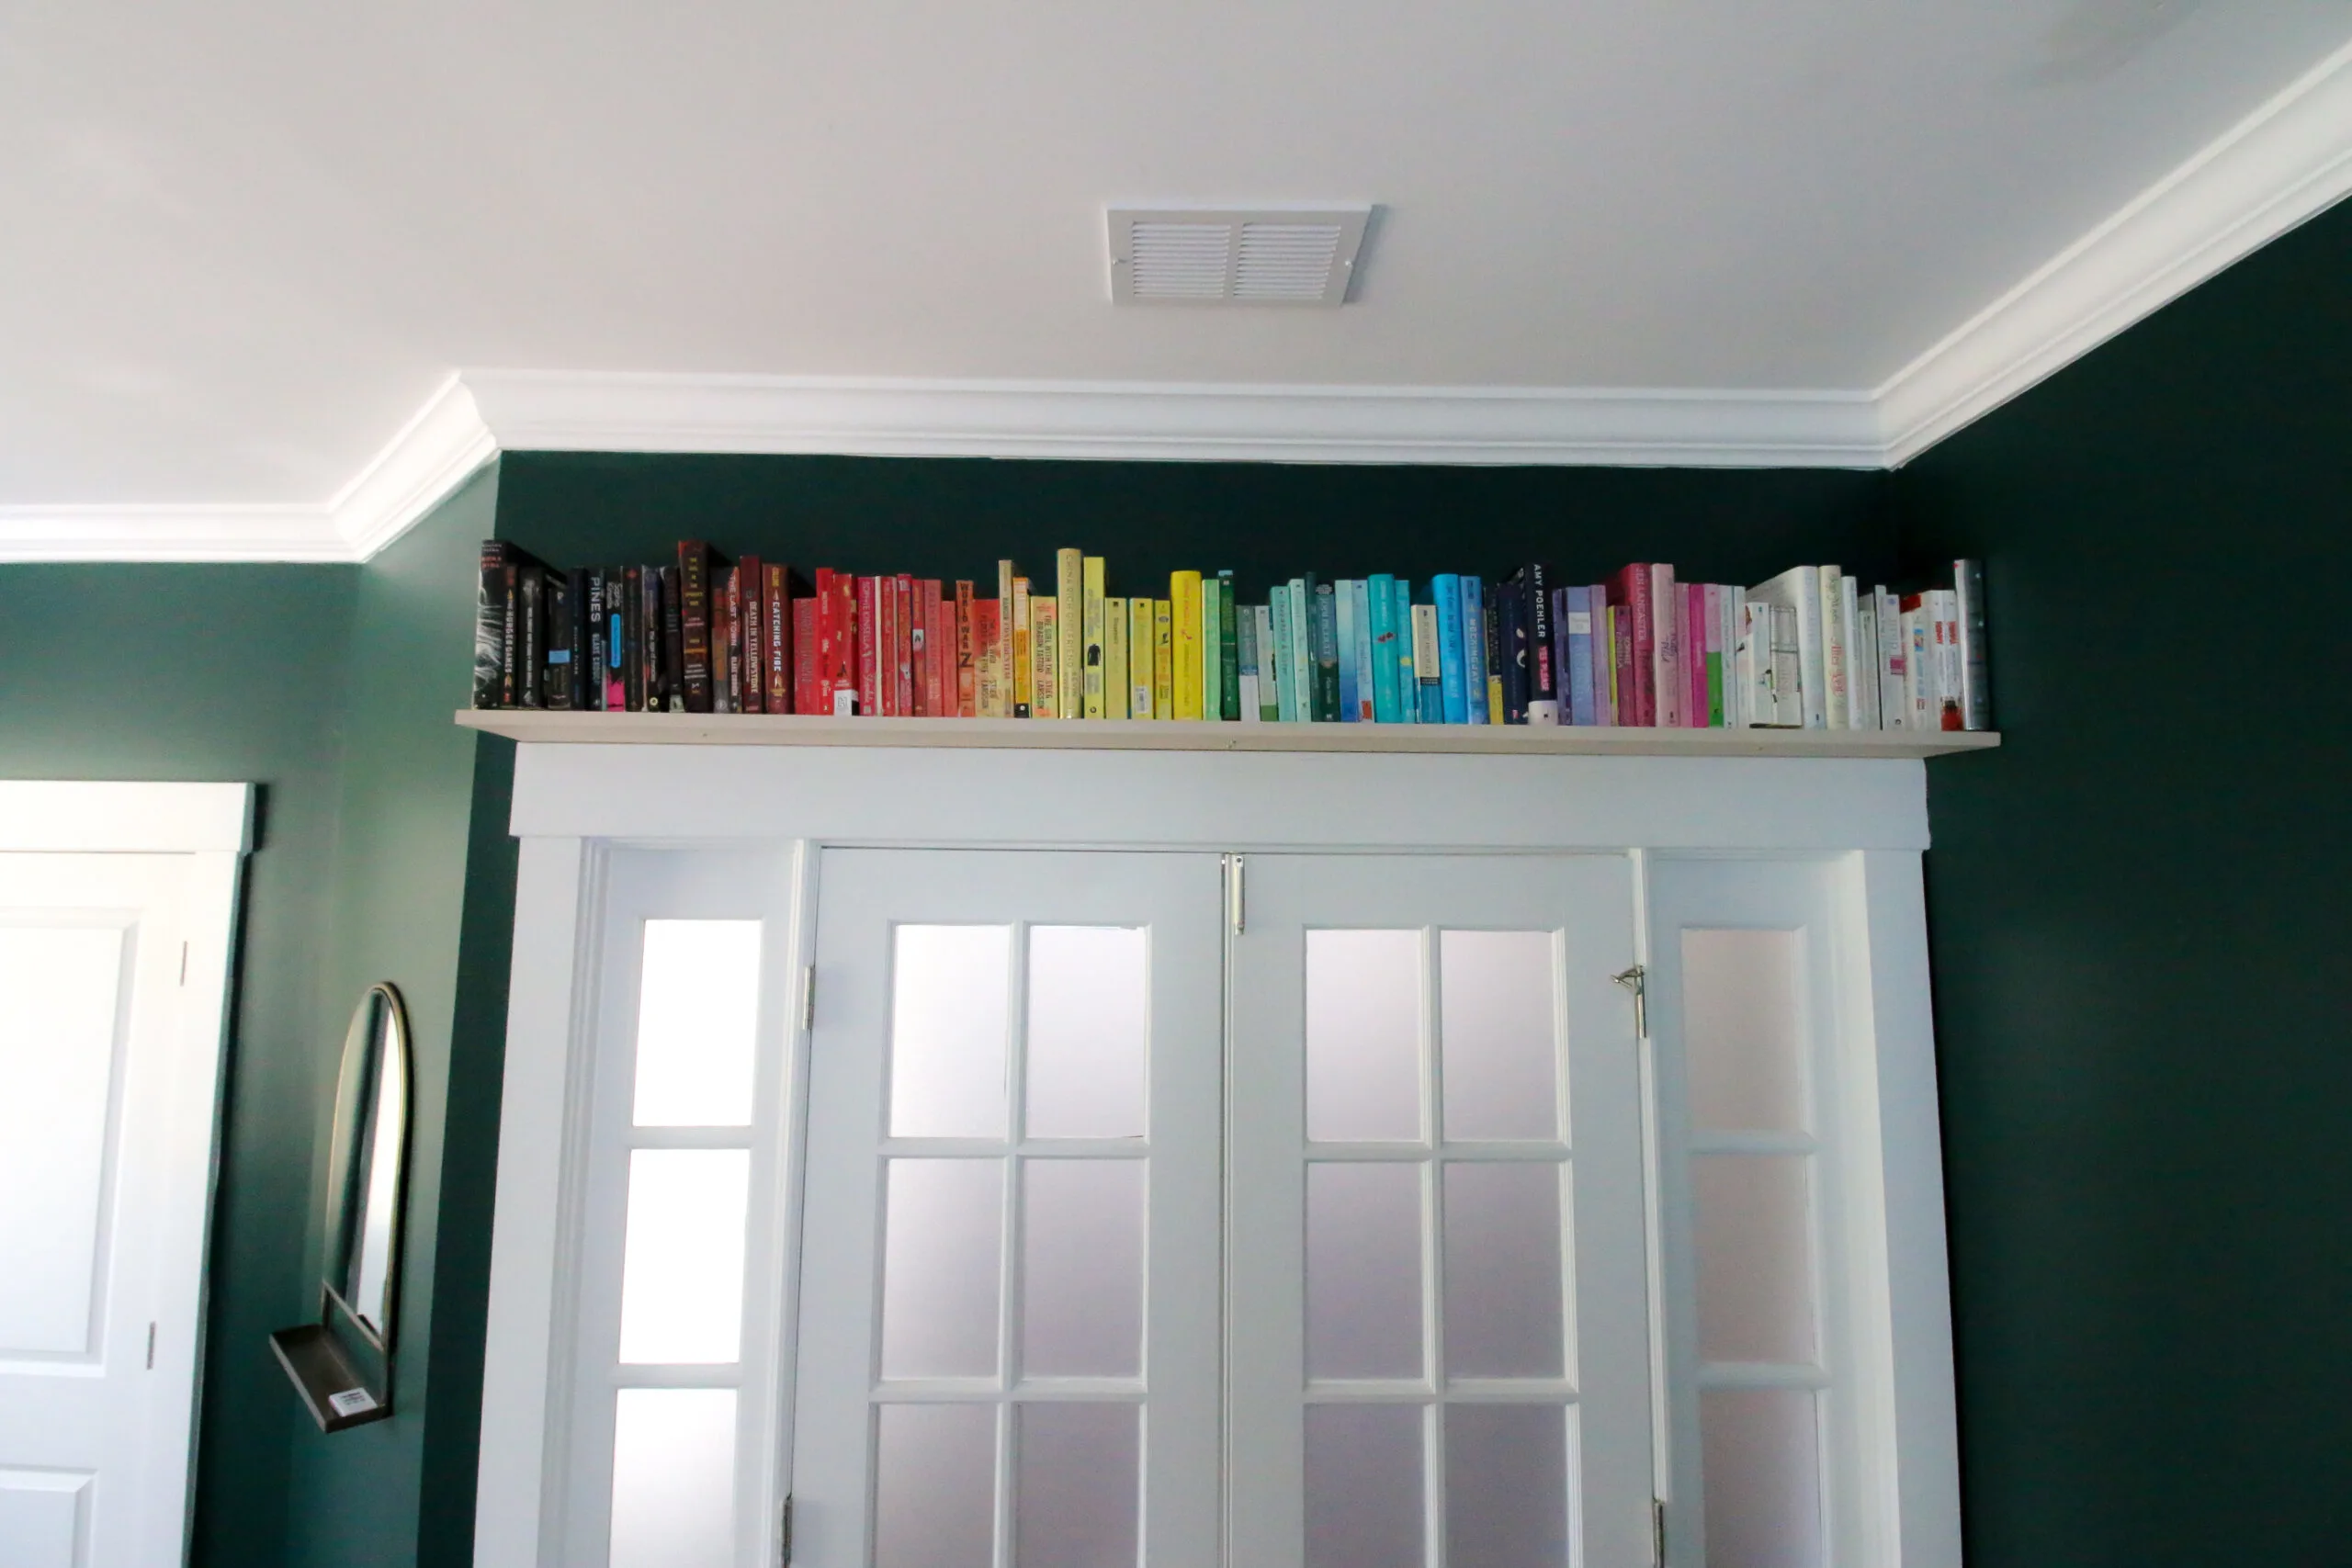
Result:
x=98 y=1163
x=1437 y=1300
x=1009 y=1337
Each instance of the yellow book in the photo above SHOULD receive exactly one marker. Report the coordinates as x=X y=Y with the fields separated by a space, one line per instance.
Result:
x=1002 y=707
x=1184 y=605
x=1164 y=659
x=1096 y=693
x=1023 y=666
x=1140 y=644
x=1116 y=691
x=1494 y=699
x=1070 y=655
x=1045 y=657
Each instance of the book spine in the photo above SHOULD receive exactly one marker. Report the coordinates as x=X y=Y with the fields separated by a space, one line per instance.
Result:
x=1380 y=651
x=1094 y=640
x=1475 y=665
x=776 y=600
x=1429 y=664
x=530 y=591
x=1690 y=601
x=1835 y=706
x=1573 y=621
x=1270 y=665
x=1184 y=606
x=633 y=637
x=1409 y=696
x=885 y=694
x=726 y=646
x=1894 y=709
x=490 y=628
x=967 y=668
x=738 y=647
x=1919 y=673
x=987 y=658
x=1118 y=687
x=1245 y=640
x=1163 y=658
x=589 y=676
x=1976 y=664
x=867 y=683
x=1286 y=657
x=1012 y=642
x=1070 y=631
x=1022 y=683
x=1325 y=625
x=1949 y=715
x=1507 y=614
x=1666 y=694
x=1446 y=588
x=902 y=643
x=804 y=685
x=1604 y=658
x=616 y=591
x=1629 y=594
x=1228 y=651
x=1301 y=672
x=752 y=618
x=1212 y=670
x=1787 y=654
x=1046 y=672
x=1141 y=702
x=1547 y=702
x=1862 y=689
x=662 y=640
x=1344 y=606
x=510 y=637
x=1813 y=648
x=1367 y=706
x=694 y=586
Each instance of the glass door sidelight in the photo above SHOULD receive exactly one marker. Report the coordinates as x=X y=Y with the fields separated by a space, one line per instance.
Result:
x=1009 y=1340
x=1438 y=1347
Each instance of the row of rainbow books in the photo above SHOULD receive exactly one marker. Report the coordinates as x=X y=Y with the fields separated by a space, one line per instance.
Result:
x=1811 y=648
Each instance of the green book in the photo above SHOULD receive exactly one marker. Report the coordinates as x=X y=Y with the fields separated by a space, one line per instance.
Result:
x=1229 y=651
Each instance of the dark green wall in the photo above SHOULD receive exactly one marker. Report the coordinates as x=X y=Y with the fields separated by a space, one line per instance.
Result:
x=2139 y=908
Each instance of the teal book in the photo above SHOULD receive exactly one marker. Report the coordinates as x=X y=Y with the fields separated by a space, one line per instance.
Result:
x=1445 y=590
x=1363 y=710
x=1350 y=671
x=1380 y=596
x=1326 y=628
x=1473 y=649
x=1409 y=695
x=1285 y=659
x=1228 y=651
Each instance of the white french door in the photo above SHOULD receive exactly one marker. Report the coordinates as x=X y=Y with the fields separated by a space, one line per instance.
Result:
x=1438 y=1348
x=1008 y=1340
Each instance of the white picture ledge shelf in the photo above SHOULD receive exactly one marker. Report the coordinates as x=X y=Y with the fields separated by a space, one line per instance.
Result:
x=1181 y=735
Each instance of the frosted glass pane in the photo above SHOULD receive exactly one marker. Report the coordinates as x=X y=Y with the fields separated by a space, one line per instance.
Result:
x=1090 y=1007
x=950 y=1009
x=1762 y=1464
x=1745 y=1058
x=1500 y=1054
x=57 y=1048
x=698 y=1023
x=1506 y=1486
x=1364 y=1271
x=682 y=1274
x=1363 y=1487
x=935 y=1486
x=1077 y=1487
x=1363 y=1035
x=673 y=1478
x=1081 y=1284
x=1755 y=1258
x=943 y=1240
x=1502 y=1271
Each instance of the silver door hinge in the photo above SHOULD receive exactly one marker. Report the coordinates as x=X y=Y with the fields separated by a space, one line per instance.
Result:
x=1658 y=1531
x=809 y=997
x=783 y=1553
x=150 y=1347
x=1636 y=980
x=183 y=963
x=1237 y=893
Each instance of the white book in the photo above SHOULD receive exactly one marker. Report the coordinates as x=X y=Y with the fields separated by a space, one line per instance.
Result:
x=1865 y=652
x=1789 y=700
x=1302 y=653
x=1753 y=661
x=1918 y=679
x=1836 y=708
x=1360 y=595
x=1945 y=605
x=1248 y=682
x=1798 y=591
x=1894 y=708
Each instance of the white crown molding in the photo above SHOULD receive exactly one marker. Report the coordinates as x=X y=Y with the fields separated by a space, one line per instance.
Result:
x=2283 y=165
x=2280 y=165
x=537 y=411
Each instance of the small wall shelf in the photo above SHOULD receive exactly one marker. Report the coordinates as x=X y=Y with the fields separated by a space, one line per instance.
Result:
x=1180 y=735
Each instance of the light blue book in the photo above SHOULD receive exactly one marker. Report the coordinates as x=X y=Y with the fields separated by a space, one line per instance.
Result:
x=1380 y=592
x=1365 y=708
x=1446 y=588
x=1408 y=688
x=1473 y=649
x=1286 y=681
x=1302 y=653
x=1350 y=671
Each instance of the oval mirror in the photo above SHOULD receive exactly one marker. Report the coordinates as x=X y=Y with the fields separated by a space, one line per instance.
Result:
x=367 y=1166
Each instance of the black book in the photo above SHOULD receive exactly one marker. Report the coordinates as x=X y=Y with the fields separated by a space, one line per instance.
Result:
x=616 y=639
x=1544 y=681
x=633 y=637
x=1509 y=615
x=530 y=637
x=490 y=627
x=698 y=574
x=673 y=662
x=650 y=642
x=591 y=695
x=561 y=602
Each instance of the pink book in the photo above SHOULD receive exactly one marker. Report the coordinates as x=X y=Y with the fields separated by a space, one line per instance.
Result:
x=1666 y=677
x=1694 y=662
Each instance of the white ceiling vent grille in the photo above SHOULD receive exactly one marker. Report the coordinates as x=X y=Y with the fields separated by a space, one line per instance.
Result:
x=1233 y=255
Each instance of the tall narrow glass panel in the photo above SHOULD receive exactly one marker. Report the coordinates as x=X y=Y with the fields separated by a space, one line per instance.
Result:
x=1363 y=1035
x=1503 y=1270
x=698 y=1023
x=1740 y=1030
x=1076 y=1487
x=935 y=1491
x=1760 y=1450
x=1364 y=1271
x=1365 y=1486
x=1755 y=1250
x=673 y=1478
x=682 y=1270
x=1090 y=1009
x=1499 y=1041
x=942 y=1237
x=1081 y=1287
x=950 y=1013
x=1506 y=1486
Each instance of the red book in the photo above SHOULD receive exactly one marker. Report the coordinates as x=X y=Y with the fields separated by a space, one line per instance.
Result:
x=828 y=627
x=775 y=637
x=733 y=641
x=871 y=630
x=967 y=672
x=925 y=697
x=805 y=684
x=1694 y=655
x=1629 y=593
x=1665 y=617
x=986 y=625
x=751 y=692
x=902 y=646
x=937 y=700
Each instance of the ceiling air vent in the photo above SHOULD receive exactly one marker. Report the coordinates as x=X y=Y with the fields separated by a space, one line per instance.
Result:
x=1289 y=256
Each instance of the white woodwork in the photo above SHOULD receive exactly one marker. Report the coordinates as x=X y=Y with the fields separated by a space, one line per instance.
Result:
x=117 y=967
x=1846 y=832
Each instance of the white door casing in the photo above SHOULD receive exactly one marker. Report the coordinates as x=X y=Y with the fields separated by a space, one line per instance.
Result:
x=116 y=909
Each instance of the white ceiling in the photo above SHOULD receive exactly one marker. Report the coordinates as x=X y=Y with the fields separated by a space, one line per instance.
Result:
x=246 y=241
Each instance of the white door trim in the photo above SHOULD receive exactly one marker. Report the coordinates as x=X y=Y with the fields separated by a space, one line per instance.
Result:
x=109 y=816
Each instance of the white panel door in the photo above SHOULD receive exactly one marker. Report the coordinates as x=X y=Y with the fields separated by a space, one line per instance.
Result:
x=1008 y=1345
x=107 y=1108
x=1439 y=1348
